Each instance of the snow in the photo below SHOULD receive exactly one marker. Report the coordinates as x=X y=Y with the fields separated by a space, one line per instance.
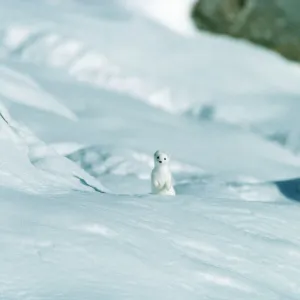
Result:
x=171 y=13
x=89 y=90
x=29 y=93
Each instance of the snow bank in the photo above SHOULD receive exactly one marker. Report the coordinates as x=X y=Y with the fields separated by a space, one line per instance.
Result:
x=134 y=86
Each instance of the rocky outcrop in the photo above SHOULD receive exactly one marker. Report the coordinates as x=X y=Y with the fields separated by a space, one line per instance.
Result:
x=274 y=24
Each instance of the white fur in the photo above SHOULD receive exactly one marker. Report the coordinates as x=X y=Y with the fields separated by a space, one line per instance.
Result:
x=161 y=177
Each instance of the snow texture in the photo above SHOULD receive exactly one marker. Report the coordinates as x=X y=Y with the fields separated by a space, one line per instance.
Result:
x=89 y=90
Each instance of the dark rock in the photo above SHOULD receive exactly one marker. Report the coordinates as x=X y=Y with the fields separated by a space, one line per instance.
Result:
x=274 y=24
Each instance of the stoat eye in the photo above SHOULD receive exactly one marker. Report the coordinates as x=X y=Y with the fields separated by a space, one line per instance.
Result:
x=157 y=157
x=165 y=159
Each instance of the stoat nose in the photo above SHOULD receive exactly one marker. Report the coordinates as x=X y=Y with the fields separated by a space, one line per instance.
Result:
x=160 y=161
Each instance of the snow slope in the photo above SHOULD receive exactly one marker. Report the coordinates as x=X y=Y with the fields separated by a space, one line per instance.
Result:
x=89 y=90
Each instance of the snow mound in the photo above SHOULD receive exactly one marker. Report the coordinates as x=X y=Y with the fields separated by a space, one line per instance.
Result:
x=77 y=220
x=22 y=89
x=30 y=165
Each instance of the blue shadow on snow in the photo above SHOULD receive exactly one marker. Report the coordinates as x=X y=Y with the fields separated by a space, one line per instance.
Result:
x=289 y=188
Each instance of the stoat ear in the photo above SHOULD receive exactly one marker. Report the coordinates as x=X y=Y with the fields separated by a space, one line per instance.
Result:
x=156 y=153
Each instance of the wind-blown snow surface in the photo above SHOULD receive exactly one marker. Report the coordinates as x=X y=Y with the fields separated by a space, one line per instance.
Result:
x=88 y=91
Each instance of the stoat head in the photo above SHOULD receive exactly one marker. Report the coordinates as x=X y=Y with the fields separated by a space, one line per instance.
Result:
x=161 y=158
